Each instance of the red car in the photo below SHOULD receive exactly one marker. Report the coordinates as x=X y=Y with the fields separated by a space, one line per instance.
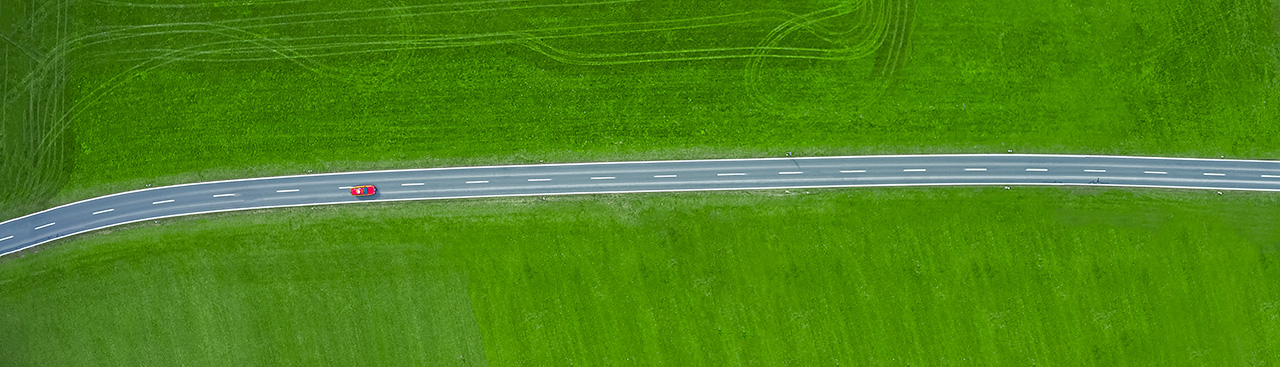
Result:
x=365 y=190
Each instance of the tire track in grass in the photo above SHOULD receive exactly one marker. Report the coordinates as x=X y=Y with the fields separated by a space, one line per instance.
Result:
x=889 y=60
x=292 y=53
x=243 y=44
x=256 y=38
x=29 y=108
x=881 y=29
x=534 y=42
x=525 y=38
x=438 y=42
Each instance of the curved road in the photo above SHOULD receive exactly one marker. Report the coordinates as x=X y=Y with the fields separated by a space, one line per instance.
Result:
x=621 y=177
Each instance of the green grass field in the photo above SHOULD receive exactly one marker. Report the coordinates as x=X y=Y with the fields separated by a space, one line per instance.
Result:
x=102 y=96
x=147 y=92
x=850 y=277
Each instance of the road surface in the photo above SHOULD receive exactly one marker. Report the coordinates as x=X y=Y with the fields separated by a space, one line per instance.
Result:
x=627 y=177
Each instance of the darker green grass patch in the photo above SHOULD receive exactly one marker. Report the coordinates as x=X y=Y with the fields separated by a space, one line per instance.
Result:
x=36 y=146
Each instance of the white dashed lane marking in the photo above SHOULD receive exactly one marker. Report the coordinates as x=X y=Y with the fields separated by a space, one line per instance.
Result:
x=289 y=190
x=1270 y=176
x=854 y=171
x=2 y=239
x=975 y=169
x=603 y=178
x=913 y=170
x=539 y=179
x=103 y=211
x=731 y=174
x=50 y=223
x=1037 y=170
x=1155 y=172
x=345 y=187
x=223 y=195
x=413 y=184
x=477 y=182
x=1214 y=174
x=665 y=176
x=790 y=173
x=1096 y=170
x=161 y=202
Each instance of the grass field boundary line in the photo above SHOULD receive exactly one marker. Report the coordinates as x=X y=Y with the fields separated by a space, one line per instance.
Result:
x=643 y=162
x=644 y=191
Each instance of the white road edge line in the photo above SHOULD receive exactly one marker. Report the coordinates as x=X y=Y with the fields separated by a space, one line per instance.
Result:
x=603 y=178
x=1096 y=170
x=731 y=174
x=649 y=161
x=1155 y=172
x=975 y=169
x=413 y=184
x=103 y=211
x=664 y=176
x=477 y=182
x=855 y=171
x=223 y=195
x=539 y=179
x=289 y=190
x=1214 y=174
x=50 y=223
x=161 y=202
x=791 y=173
x=640 y=191
x=913 y=170
x=1270 y=176
x=2 y=239
x=1037 y=170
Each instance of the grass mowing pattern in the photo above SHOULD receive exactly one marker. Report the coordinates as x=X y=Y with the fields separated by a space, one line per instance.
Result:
x=36 y=145
x=162 y=93
x=877 y=276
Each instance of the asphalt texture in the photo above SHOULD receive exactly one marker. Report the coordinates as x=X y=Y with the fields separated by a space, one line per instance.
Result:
x=627 y=177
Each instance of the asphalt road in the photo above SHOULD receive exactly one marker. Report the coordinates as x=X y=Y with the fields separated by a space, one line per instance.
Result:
x=624 y=177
